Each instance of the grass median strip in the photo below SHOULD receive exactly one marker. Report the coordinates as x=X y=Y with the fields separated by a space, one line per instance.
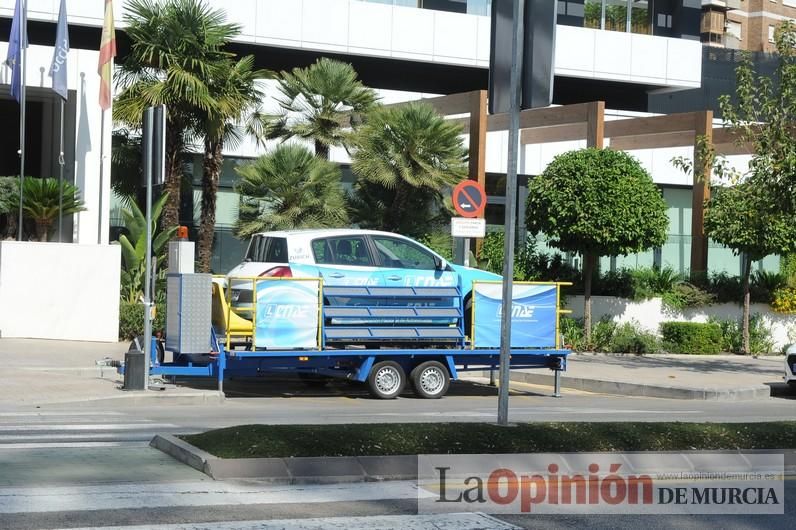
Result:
x=282 y=441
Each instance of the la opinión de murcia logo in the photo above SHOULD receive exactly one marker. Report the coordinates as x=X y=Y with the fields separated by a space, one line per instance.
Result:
x=507 y=488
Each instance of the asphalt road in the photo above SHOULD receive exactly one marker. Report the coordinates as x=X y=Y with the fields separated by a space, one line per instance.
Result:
x=286 y=401
x=88 y=464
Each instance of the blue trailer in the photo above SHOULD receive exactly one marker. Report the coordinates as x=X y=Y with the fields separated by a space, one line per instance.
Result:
x=386 y=337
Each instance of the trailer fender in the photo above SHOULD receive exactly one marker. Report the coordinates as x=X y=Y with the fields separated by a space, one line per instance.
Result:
x=364 y=369
x=451 y=367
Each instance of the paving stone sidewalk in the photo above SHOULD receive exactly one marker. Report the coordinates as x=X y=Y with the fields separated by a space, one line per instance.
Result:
x=720 y=377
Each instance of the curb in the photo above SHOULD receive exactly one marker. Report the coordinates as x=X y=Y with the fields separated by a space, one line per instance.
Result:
x=638 y=389
x=300 y=470
x=344 y=469
x=150 y=397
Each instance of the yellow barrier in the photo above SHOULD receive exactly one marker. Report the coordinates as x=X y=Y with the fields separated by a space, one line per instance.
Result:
x=237 y=326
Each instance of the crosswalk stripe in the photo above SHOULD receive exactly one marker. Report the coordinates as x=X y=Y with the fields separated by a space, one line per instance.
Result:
x=98 y=437
x=453 y=521
x=84 y=427
x=75 y=414
x=192 y=493
x=72 y=445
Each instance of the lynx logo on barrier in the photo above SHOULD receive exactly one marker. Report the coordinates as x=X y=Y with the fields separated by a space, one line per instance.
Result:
x=602 y=483
x=287 y=314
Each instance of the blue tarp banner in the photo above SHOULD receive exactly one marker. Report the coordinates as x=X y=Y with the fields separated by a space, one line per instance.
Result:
x=533 y=315
x=287 y=314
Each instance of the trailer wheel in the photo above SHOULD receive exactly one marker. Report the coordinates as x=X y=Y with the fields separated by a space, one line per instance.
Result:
x=386 y=380
x=430 y=380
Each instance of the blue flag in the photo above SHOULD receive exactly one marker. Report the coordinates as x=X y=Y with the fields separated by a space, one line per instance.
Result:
x=14 y=58
x=60 y=54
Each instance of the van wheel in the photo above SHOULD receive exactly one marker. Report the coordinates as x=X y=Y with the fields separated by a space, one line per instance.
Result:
x=386 y=380
x=430 y=380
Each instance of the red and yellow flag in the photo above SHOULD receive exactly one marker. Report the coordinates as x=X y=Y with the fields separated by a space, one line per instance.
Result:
x=107 y=53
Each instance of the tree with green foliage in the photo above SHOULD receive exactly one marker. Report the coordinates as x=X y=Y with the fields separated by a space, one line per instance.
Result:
x=176 y=47
x=322 y=103
x=596 y=202
x=289 y=188
x=237 y=93
x=405 y=157
x=741 y=218
x=134 y=247
x=44 y=198
x=762 y=113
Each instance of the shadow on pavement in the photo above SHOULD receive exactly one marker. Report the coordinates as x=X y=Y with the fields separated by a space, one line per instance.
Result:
x=290 y=387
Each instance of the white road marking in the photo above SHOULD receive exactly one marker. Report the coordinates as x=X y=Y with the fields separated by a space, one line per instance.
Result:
x=85 y=427
x=209 y=493
x=453 y=521
x=10 y=438
x=57 y=414
x=72 y=445
x=477 y=414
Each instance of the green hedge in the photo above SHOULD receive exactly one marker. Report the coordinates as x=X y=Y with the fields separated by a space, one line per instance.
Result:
x=131 y=320
x=692 y=337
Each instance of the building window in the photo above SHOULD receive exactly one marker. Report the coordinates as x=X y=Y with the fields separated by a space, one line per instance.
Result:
x=771 y=31
x=734 y=29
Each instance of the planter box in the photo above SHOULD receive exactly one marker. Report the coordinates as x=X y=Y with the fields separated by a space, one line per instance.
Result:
x=650 y=313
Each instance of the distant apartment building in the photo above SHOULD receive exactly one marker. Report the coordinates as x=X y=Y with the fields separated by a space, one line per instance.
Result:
x=744 y=24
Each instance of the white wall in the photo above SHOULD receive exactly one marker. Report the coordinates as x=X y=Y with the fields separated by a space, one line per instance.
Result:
x=364 y=28
x=650 y=313
x=59 y=291
x=84 y=80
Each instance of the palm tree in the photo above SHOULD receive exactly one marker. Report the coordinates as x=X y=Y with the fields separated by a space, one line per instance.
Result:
x=237 y=95
x=321 y=101
x=406 y=156
x=177 y=45
x=134 y=246
x=289 y=188
x=41 y=202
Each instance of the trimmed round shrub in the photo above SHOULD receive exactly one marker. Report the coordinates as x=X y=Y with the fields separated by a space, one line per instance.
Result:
x=692 y=337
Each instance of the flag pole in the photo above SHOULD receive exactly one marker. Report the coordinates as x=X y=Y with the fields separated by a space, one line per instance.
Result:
x=22 y=67
x=61 y=178
x=101 y=176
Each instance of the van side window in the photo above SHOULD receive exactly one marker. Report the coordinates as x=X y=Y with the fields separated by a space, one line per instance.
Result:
x=277 y=250
x=253 y=252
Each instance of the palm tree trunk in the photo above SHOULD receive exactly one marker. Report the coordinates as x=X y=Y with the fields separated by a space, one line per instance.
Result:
x=173 y=177
x=321 y=150
x=42 y=229
x=746 y=298
x=11 y=226
x=589 y=262
x=211 y=170
x=398 y=207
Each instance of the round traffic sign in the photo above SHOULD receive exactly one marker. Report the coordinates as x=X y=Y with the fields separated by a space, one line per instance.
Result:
x=469 y=198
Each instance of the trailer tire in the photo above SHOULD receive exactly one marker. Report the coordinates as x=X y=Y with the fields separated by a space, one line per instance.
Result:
x=386 y=380
x=430 y=380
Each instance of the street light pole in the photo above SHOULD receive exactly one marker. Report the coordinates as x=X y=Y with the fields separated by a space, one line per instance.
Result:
x=511 y=208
